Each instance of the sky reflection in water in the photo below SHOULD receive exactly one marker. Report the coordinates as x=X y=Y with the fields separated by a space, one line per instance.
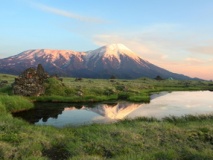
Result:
x=176 y=104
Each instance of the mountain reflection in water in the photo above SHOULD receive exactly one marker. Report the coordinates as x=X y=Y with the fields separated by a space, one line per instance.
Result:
x=61 y=115
x=114 y=112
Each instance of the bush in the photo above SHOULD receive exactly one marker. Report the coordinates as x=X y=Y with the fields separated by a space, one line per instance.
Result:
x=6 y=90
x=54 y=87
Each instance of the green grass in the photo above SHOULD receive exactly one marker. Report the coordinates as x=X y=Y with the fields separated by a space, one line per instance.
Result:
x=14 y=103
x=142 y=138
x=2 y=108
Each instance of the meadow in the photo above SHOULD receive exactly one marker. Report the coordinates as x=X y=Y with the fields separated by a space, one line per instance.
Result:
x=188 y=137
x=94 y=90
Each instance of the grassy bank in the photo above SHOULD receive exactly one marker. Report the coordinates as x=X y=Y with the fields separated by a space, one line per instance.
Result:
x=94 y=90
x=173 y=138
x=14 y=103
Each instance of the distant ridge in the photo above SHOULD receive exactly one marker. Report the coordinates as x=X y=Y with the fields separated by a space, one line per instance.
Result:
x=114 y=59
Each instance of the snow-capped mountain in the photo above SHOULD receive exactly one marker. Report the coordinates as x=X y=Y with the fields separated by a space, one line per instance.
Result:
x=114 y=51
x=115 y=59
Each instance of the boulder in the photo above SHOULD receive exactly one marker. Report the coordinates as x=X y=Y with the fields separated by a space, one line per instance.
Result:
x=159 y=78
x=30 y=82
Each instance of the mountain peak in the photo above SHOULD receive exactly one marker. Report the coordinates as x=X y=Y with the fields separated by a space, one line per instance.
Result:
x=112 y=51
x=117 y=47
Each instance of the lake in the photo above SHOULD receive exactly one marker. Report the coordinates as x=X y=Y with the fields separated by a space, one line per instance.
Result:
x=162 y=105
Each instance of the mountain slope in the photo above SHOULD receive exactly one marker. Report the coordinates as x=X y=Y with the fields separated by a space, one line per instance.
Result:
x=115 y=59
x=52 y=60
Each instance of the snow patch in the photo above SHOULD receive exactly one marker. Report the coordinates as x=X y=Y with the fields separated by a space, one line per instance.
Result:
x=112 y=51
x=49 y=55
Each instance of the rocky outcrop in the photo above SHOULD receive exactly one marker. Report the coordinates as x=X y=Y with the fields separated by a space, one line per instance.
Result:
x=30 y=82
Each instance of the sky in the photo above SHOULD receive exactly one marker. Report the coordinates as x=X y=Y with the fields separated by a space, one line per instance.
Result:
x=173 y=34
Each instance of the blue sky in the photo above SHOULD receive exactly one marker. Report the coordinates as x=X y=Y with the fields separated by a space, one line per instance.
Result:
x=173 y=34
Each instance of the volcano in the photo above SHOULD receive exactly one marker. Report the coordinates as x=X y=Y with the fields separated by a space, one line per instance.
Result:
x=112 y=60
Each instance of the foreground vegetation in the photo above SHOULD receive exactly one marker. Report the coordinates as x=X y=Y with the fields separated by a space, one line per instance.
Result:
x=182 y=138
x=173 y=138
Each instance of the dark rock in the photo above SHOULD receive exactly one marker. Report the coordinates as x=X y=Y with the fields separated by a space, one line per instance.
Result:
x=112 y=77
x=78 y=79
x=3 y=83
x=79 y=93
x=159 y=78
x=30 y=82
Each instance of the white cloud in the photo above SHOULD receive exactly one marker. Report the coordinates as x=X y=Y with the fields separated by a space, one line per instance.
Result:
x=67 y=14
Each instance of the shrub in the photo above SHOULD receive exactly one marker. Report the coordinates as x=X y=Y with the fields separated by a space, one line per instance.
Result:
x=54 y=87
x=6 y=90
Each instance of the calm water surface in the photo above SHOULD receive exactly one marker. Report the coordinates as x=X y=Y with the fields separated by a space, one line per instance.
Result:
x=162 y=105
